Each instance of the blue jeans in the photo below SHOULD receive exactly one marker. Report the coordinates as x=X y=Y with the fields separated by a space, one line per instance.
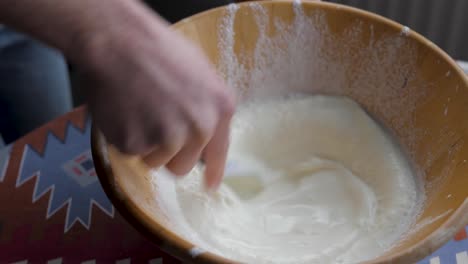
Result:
x=34 y=84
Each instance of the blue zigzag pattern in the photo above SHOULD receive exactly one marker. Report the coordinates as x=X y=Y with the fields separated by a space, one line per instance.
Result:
x=4 y=158
x=65 y=191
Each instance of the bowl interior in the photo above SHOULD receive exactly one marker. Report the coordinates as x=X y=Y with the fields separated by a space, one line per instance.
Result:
x=276 y=47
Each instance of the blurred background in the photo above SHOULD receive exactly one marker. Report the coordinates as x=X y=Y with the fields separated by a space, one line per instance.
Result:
x=441 y=21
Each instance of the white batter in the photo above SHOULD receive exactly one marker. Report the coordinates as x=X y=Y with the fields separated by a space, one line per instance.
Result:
x=310 y=179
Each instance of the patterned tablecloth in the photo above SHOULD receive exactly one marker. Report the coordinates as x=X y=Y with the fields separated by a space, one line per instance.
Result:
x=53 y=209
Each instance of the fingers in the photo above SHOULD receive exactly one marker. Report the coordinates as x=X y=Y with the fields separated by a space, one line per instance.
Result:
x=208 y=134
x=215 y=153
x=186 y=159
x=158 y=157
x=201 y=124
x=170 y=145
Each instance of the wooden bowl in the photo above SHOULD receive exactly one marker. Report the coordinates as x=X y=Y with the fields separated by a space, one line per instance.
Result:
x=403 y=80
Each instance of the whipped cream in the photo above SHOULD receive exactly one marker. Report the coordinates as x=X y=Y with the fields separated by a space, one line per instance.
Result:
x=310 y=179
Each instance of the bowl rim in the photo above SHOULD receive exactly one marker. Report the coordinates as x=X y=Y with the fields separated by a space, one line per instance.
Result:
x=181 y=248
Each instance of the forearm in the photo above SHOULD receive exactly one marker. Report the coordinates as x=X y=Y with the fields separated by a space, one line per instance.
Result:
x=75 y=27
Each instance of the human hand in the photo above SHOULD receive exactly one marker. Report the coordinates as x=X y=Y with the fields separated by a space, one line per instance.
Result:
x=156 y=95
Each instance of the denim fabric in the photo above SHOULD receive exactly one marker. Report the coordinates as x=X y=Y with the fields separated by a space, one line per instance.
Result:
x=34 y=84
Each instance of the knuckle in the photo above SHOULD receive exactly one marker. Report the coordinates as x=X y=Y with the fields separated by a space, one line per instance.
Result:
x=162 y=134
x=127 y=145
x=202 y=124
x=129 y=141
x=226 y=103
x=169 y=147
x=203 y=131
x=158 y=134
x=169 y=138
